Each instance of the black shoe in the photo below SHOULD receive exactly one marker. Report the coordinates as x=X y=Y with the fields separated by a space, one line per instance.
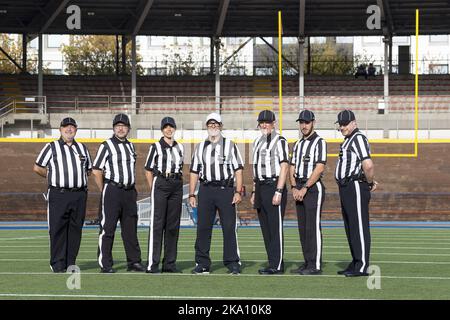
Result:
x=175 y=270
x=200 y=270
x=154 y=271
x=234 y=270
x=343 y=271
x=137 y=267
x=311 y=272
x=355 y=274
x=270 y=271
x=107 y=270
x=299 y=269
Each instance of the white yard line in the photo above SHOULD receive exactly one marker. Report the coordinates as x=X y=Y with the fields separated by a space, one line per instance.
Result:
x=214 y=275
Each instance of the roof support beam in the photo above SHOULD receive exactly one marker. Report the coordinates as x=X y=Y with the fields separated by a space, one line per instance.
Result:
x=301 y=19
x=388 y=26
x=142 y=17
x=53 y=16
x=223 y=8
x=282 y=56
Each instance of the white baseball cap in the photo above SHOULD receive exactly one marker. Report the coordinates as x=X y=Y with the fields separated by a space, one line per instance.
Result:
x=214 y=116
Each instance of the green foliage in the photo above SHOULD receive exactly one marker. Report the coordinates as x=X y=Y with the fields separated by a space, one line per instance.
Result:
x=14 y=49
x=95 y=55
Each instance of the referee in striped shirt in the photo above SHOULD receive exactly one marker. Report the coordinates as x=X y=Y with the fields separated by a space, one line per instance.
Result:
x=66 y=164
x=270 y=170
x=355 y=177
x=164 y=174
x=217 y=163
x=114 y=172
x=309 y=158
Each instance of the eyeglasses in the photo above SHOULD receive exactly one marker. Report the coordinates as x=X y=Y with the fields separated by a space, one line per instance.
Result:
x=213 y=125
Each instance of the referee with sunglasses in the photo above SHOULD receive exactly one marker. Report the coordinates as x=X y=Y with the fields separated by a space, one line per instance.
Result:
x=164 y=174
x=307 y=166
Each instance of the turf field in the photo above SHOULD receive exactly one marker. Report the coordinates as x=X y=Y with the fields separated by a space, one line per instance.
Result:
x=414 y=264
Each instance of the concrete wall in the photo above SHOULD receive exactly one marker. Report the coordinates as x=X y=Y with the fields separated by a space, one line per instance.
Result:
x=410 y=188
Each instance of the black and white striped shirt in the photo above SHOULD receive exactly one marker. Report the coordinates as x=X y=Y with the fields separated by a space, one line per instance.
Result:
x=216 y=161
x=164 y=158
x=353 y=151
x=67 y=165
x=307 y=153
x=268 y=154
x=118 y=159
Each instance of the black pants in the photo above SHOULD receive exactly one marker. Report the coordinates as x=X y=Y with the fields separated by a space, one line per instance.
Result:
x=66 y=212
x=355 y=198
x=211 y=199
x=167 y=195
x=309 y=225
x=271 y=220
x=118 y=204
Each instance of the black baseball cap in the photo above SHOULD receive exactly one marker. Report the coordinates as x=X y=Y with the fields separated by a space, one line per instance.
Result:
x=306 y=115
x=67 y=121
x=266 y=116
x=345 y=117
x=121 y=118
x=168 y=121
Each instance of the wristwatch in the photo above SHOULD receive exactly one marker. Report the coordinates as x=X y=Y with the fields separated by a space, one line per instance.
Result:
x=279 y=190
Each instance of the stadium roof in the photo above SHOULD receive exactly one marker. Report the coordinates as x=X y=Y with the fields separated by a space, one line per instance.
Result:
x=224 y=17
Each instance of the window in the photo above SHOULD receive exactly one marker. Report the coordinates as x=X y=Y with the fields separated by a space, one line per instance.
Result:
x=259 y=40
x=441 y=39
x=344 y=39
x=34 y=43
x=204 y=70
x=55 y=40
x=400 y=40
x=55 y=71
x=290 y=40
x=235 y=41
x=438 y=68
x=371 y=40
x=154 y=41
x=318 y=40
x=236 y=71
x=263 y=71
x=183 y=41
x=156 y=71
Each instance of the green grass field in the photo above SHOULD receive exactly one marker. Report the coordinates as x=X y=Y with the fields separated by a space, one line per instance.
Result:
x=414 y=264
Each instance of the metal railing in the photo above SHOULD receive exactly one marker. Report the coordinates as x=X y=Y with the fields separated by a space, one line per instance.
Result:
x=23 y=104
x=228 y=104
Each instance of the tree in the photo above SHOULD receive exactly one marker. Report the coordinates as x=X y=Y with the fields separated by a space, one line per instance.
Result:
x=14 y=49
x=95 y=55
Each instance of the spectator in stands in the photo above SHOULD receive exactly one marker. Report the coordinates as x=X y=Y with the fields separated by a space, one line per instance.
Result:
x=164 y=174
x=361 y=71
x=371 y=70
x=66 y=164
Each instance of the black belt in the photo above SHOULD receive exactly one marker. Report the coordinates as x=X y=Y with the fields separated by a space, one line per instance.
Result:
x=176 y=176
x=347 y=180
x=272 y=180
x=221 y=183
x=62 y=190
x=120 y=185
